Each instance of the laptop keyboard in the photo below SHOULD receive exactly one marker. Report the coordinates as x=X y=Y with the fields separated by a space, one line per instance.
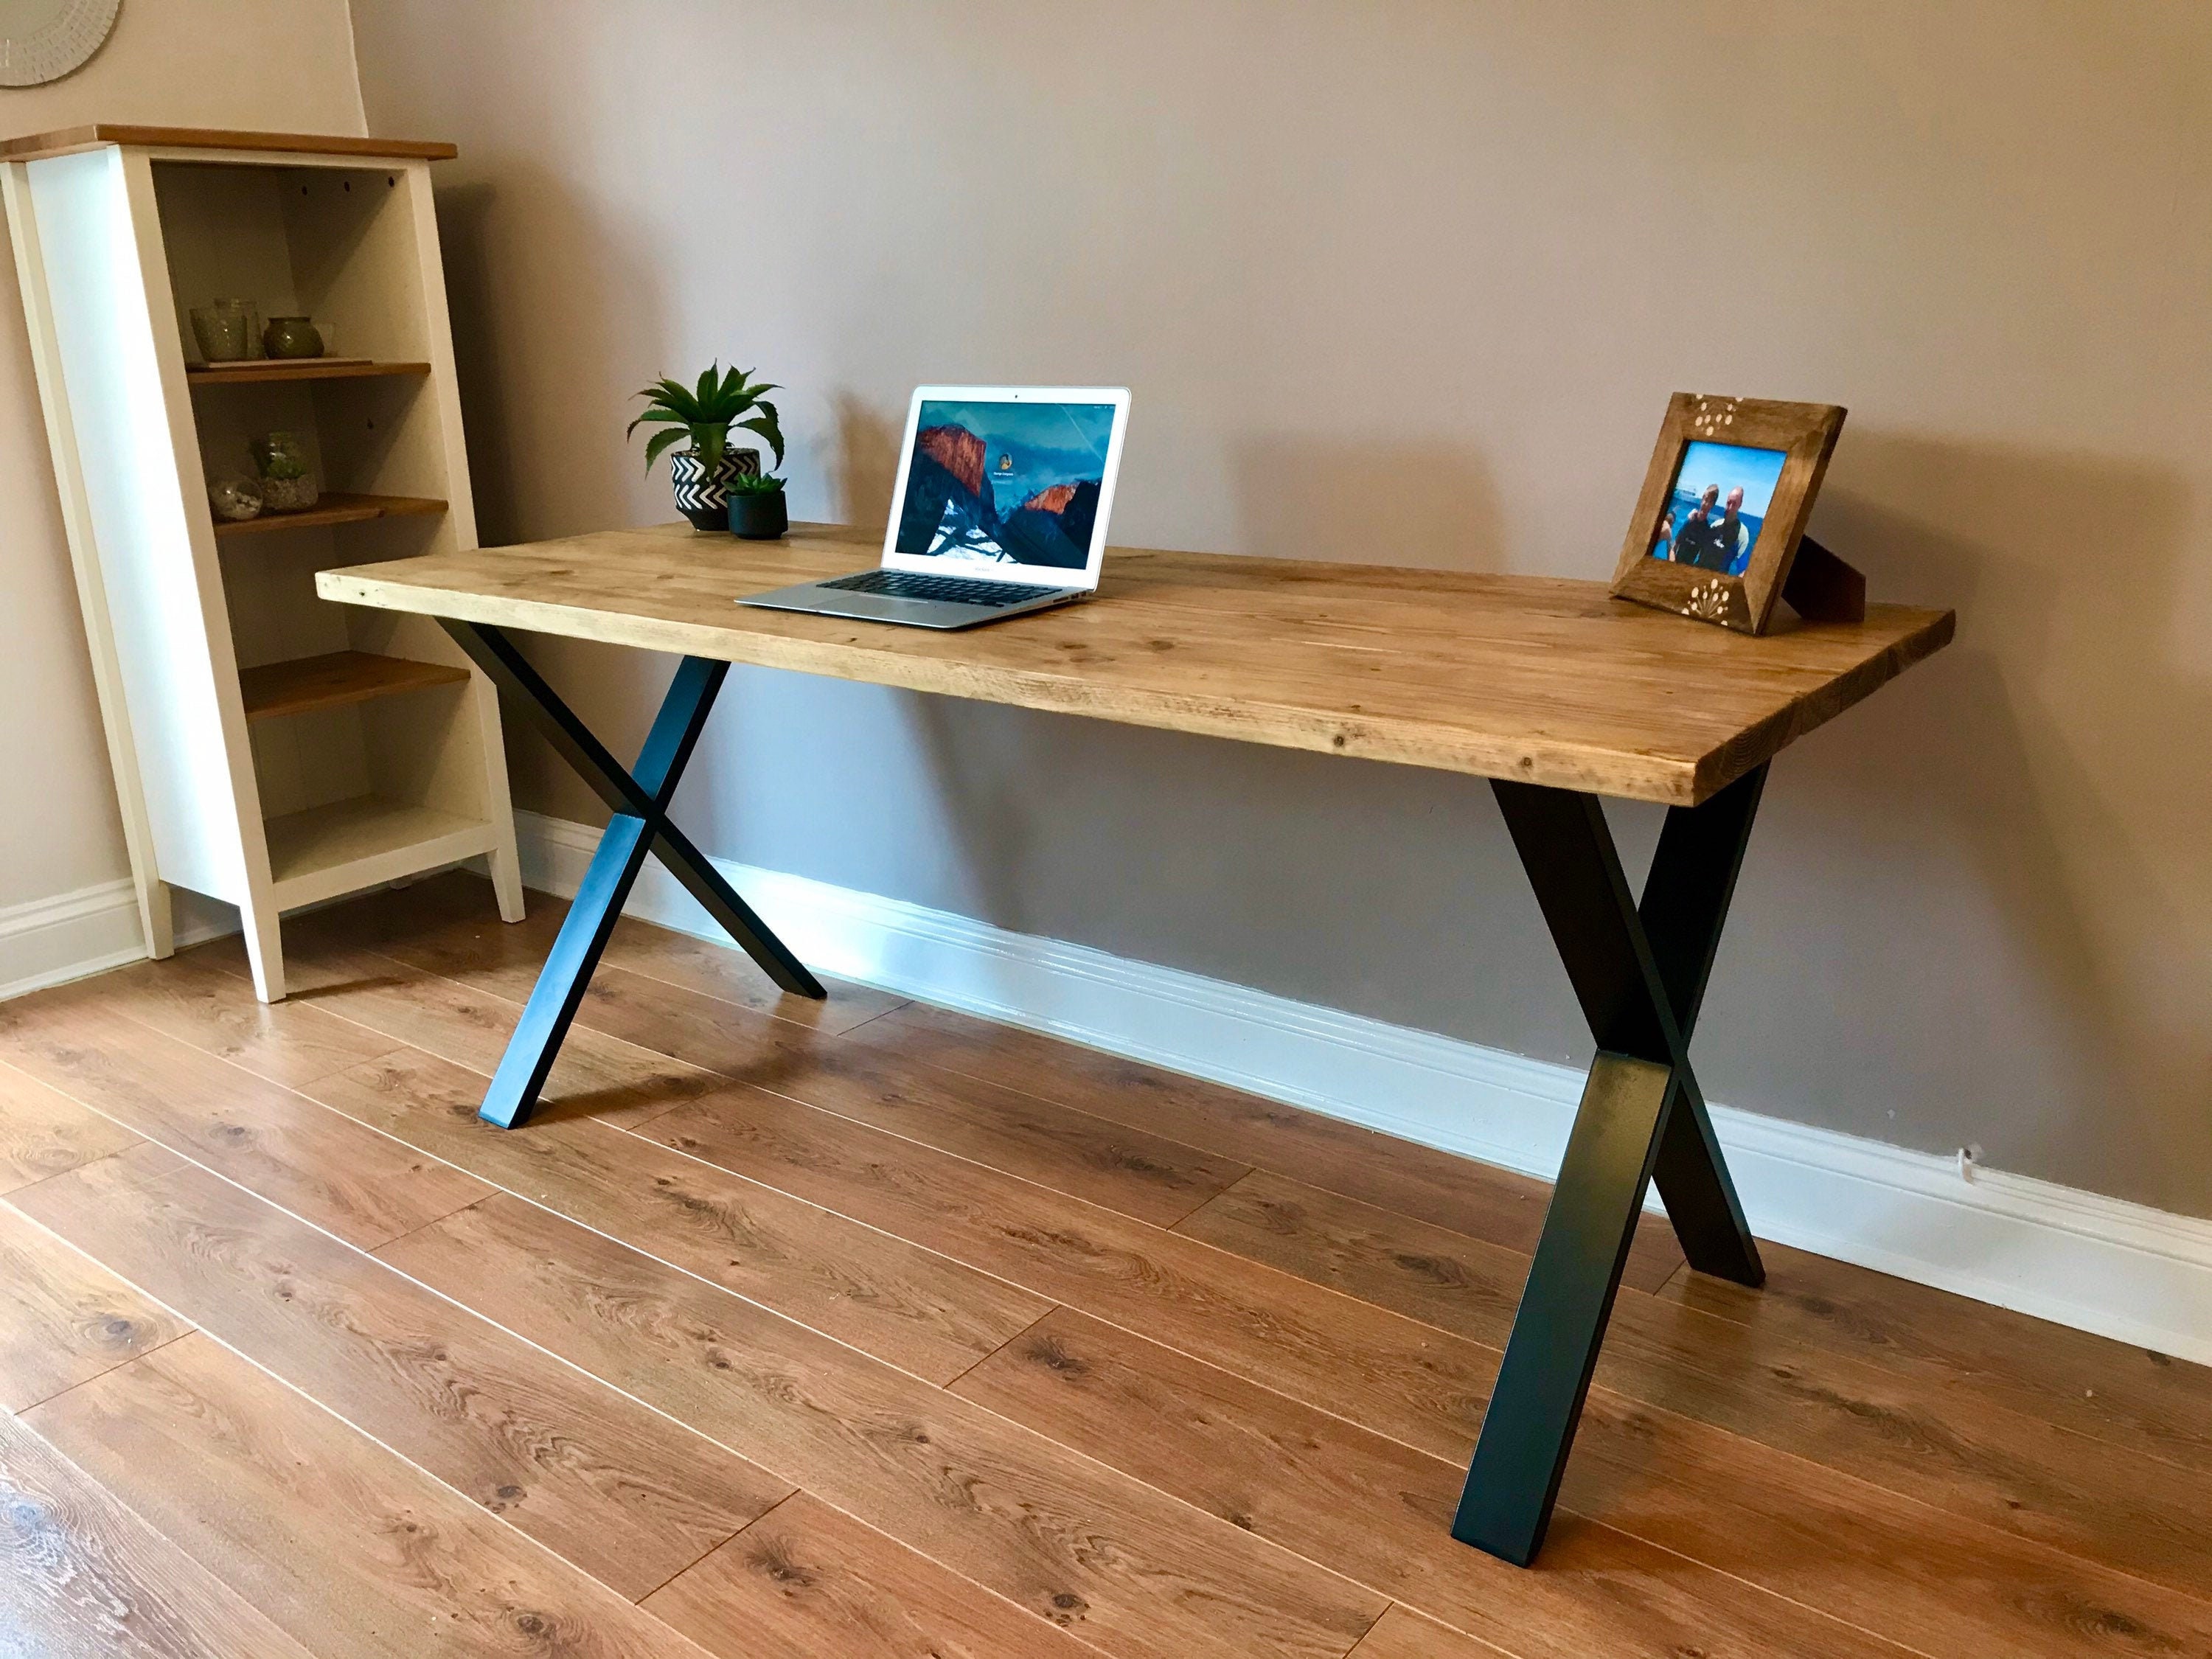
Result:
x=907 y=584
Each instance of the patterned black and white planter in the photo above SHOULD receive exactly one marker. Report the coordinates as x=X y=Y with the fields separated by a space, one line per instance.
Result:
x=705 y=501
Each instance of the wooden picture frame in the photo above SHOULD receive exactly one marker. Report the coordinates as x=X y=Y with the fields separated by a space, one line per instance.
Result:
x=1722 y=565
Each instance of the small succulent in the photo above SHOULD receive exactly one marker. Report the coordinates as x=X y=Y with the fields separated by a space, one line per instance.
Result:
x=706 y=413
x=755 y=484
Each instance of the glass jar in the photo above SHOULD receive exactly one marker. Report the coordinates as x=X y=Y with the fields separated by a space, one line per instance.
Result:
x=287 y=485
x=224 y=330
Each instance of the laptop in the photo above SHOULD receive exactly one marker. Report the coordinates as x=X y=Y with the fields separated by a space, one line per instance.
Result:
x=1000 y=508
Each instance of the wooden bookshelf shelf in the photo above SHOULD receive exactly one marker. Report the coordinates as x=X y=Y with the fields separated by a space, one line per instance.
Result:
x=344 y=845
x=307 y=368
x=336 y=507
x=335 y=680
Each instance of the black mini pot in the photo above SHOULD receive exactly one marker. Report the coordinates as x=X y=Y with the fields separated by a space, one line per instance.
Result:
x=760 y=516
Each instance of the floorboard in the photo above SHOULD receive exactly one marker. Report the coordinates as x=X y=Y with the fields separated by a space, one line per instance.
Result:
x=808 y=1581
x=1070 y=1542
x=910 y=1306
x=620 y=1491
x=861 y=1327
x=1149 y=1176
x=82 y=1575
x=44 y=1132
x=1399 y=1634
x=1481 y=1201
x=1378 y=1509
x=1931 y=1340
x=363 y=1187
x=1953 y=1448
x=63 y=1319
x=351 y=1551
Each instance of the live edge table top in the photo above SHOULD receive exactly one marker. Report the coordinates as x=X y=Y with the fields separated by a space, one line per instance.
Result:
x=1537 y=678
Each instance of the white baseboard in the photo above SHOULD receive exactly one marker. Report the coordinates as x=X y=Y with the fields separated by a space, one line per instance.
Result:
x=2121 y=1270
x=53 y=941
x=75 y=935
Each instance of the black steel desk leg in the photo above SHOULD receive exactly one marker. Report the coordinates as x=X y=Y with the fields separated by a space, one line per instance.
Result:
x=1685 y=905
x=1639 y=974
x=639 y=824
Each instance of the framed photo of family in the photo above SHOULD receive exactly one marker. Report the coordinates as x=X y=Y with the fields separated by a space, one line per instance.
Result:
x=1724 y=505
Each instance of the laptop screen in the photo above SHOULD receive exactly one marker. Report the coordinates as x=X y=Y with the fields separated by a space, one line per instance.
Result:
x=1016 y=486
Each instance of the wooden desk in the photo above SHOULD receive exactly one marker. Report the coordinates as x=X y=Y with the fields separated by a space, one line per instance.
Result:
x=1556 y=693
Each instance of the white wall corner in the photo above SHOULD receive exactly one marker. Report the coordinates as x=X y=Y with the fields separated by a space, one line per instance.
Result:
x=2121 y=1270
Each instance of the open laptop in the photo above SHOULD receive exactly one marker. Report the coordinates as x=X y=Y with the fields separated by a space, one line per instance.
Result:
x=1001 y=505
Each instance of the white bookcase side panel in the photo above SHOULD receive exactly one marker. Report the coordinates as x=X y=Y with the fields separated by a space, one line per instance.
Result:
x=153 y=895
x=443 y=394
x=163 y=598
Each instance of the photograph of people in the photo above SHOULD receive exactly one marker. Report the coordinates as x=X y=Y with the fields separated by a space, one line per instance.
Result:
x=1719 y=501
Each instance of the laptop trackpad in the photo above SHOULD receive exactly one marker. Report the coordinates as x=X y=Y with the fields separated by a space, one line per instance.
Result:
x=845 y=603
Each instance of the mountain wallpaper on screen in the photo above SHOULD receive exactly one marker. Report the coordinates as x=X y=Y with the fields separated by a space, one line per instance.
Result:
x=1046 y=460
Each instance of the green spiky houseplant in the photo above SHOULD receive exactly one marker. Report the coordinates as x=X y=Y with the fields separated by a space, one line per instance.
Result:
x=724 y=401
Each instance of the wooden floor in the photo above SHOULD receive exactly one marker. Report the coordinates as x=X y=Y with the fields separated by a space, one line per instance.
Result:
x=865 y=1328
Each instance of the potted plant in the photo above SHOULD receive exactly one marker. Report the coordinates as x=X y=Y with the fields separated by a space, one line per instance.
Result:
x=757 y=511
x=705 y=415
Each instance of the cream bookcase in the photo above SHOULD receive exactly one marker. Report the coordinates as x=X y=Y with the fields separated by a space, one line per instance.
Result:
x=270 y=748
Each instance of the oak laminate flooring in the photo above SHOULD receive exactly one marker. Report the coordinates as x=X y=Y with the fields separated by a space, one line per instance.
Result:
x=187 y=997
x=1170 y=1117
x=621 y=1491
x=1399 y=1634
x=1774 y=1520
x=1378 y=1510
x=1409 y=1380
x=80 y=1575
x=918 y=1309
x=1139 y=1174
x=1233 y=1388
x=351 y=1550
x=2112 y=1391
x=44 y=1132
x=892 y=1299
x=1468 y=1197
x=808 y=1581
x=1955 y=1451
x=1132 y=1571
x=459 y=900
x=361 y=1185
x=595 y=1074
x=63 y=1319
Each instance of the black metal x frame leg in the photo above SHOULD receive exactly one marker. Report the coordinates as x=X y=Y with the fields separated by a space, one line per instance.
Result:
x=1639 y=971
x=639 y=824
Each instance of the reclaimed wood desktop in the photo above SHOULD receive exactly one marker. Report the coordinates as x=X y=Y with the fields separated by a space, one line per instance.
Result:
x=1556 y=693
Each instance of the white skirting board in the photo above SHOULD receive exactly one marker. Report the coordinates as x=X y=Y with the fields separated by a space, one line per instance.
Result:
x=50 y=941
x=2121 y=1270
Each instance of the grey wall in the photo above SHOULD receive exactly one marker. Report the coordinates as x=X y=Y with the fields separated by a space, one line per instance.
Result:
x=1404 y=282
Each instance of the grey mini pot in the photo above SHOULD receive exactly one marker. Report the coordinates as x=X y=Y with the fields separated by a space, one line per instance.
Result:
x=759 y=518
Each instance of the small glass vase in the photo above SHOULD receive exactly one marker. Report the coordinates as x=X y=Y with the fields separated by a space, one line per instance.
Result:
x=234 y=499
x=224 y=330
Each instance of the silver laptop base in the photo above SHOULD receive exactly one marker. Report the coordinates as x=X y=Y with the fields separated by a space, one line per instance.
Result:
x=912 y=613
